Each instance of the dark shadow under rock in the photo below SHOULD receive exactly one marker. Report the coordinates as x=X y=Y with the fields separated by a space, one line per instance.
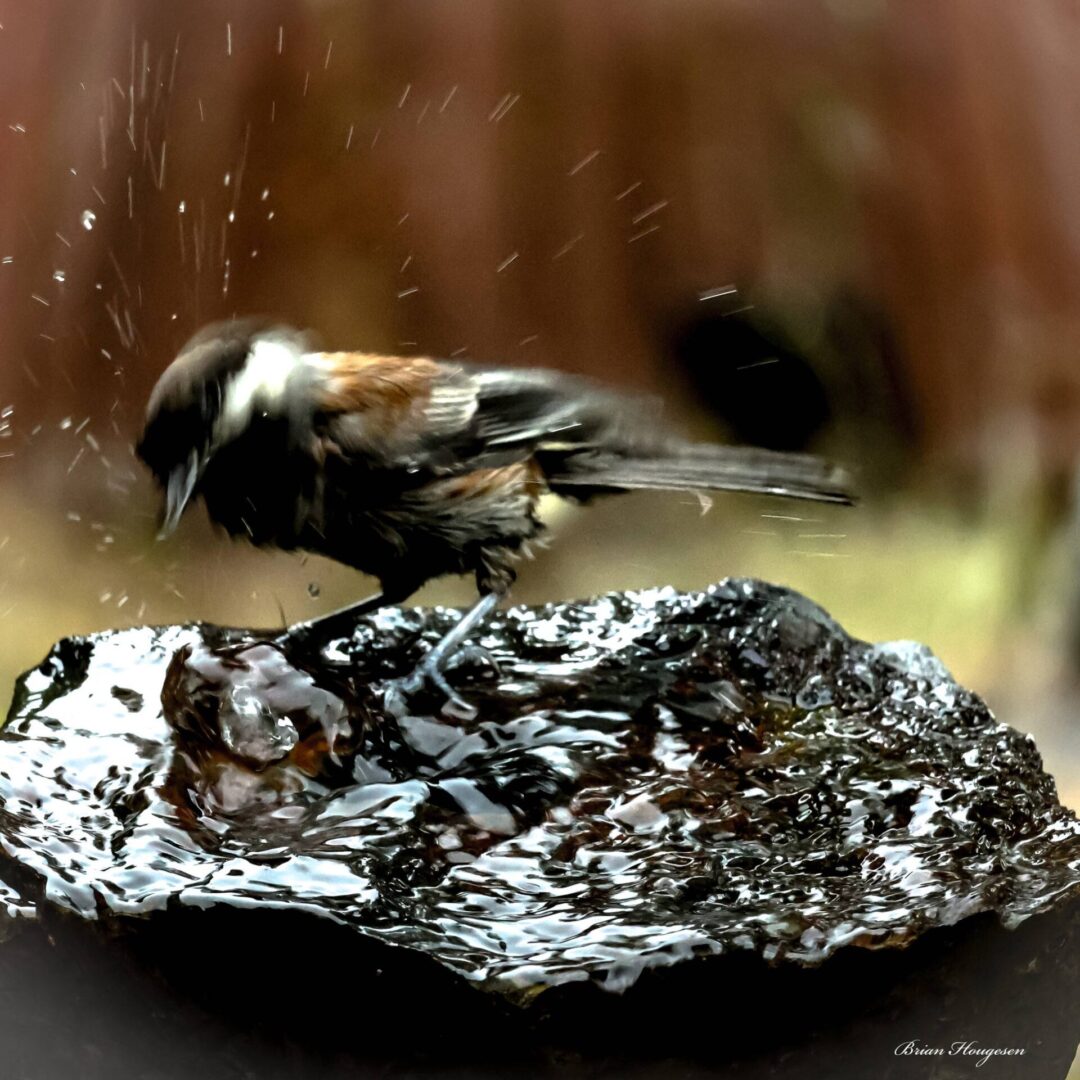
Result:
x=681 y=830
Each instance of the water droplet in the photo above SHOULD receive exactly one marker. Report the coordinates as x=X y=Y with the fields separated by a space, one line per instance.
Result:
x=232 y=216
x=265 y=194
x=60 y=276
x=88 y=218
x=314 y=588
x=182 y=207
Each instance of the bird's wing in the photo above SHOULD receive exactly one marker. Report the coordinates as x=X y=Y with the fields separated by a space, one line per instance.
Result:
x=427 y=419
x=538 y=409
x=439 y=417
x=589 y=440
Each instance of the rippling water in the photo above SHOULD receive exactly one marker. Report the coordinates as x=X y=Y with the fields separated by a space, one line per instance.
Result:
x=647 y=778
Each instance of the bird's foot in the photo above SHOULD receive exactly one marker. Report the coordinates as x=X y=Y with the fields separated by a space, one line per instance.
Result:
x=318 y=631
x=426 y=687
x=427 y=683
x=475 y=656
x=450 y=649
x=335 y=624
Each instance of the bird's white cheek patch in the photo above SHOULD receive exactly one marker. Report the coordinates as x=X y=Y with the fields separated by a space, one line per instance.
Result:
x=259 y=385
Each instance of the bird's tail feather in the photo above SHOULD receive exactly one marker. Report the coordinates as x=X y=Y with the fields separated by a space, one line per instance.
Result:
x=702 y=467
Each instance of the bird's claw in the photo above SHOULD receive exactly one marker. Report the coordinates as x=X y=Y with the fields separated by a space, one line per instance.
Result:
x=427 y=681
x=450 y=649
x=474 y=655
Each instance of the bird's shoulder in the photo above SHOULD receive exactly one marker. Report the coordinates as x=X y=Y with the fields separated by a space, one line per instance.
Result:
x=386 y=409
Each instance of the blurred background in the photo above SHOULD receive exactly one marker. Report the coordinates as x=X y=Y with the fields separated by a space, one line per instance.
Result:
x=850 y=226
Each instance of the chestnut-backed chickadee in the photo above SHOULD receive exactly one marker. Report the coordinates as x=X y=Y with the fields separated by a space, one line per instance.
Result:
x=411 y=468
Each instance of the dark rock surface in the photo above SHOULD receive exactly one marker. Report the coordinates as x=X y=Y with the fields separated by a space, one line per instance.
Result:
x=683 y=830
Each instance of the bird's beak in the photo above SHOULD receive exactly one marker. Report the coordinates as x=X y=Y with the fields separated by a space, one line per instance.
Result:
x=178 y=490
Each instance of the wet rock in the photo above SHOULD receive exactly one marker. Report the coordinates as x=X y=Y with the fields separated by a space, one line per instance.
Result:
x=659 y=793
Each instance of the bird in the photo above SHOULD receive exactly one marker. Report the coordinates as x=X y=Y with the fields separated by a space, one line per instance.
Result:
x=412 y=468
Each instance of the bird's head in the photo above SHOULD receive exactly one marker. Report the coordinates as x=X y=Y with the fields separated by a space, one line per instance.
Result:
x=223 y=380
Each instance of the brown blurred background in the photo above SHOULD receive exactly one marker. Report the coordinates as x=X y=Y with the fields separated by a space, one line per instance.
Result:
x=851 y=226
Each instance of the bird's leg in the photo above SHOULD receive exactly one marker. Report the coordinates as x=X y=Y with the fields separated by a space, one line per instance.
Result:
x=456 y=635
x=343 y=620
x=429 y=671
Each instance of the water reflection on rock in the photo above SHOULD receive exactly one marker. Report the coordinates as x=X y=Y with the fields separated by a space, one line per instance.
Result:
x=648 y=778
